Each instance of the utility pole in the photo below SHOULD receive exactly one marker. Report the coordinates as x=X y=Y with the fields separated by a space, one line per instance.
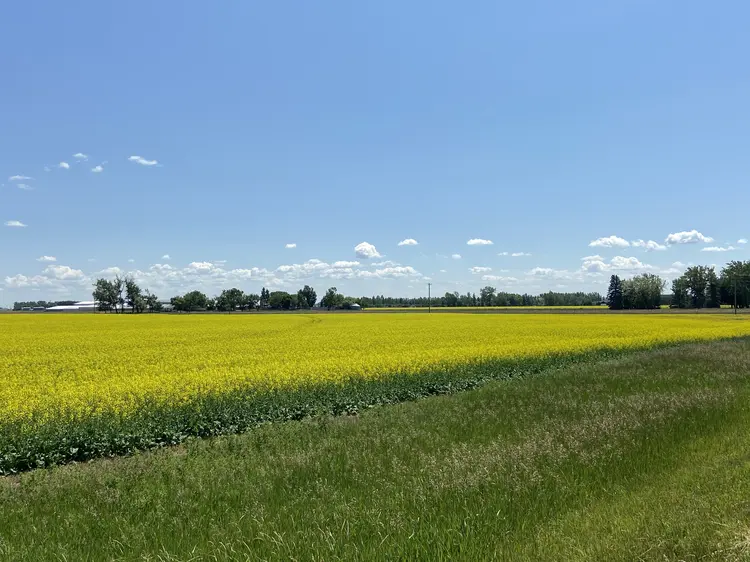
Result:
x=429 y=298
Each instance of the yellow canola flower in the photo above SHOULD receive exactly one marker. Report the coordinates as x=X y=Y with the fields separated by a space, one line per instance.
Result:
x=79 y=364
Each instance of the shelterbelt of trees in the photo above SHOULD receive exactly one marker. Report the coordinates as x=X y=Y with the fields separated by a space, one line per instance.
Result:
x=698 y=287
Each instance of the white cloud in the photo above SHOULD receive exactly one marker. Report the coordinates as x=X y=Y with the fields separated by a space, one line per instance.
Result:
x=620 y=262
x=742 y=241
x=17 y=224
x=391 y=273
x=63 y=272
x=131 y=260
x=80 y=156
x=290 y=246
x=386 y=263
x=342 y=264
x=111 y=271
x=142 y=161
x=201 y=266
x=609 y=242
x=549 y=273
x=475 y=270
x=25 y=186
x=63 y=165
x=408 y=242
x=97 y=169
x=166 y=257
x=479 y=242
x=519 y=254
x=20 y=177
x=596 y=264
x=649 y=246
x=678 y=264
x=503 y=254
x=366 y=250
x=46 y=258
x=687 y=237
x=443 y=271
x=718 y=249
x=23 y=281
x=456 y=256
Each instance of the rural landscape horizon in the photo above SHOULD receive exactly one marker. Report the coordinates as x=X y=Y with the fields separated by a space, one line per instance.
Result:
x=387 y=281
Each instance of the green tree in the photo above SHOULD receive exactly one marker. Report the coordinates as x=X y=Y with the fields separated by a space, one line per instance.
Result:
x=735 y=280
x=332 y=299
x=697 y=278
x=486 y=295
x=614 y=293
x=280 y=300
x=251 y=301
x=152 y=302
x=264 y=298
x=714 y=291
x=133 y=296
x=307 y=297
x=680 y=297
x=194 y=300
x=451 y=299
x=118 y=286
x=230 y=300
x=105 y=294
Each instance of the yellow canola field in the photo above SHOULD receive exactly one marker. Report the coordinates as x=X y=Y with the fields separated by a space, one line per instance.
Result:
x=83 y=363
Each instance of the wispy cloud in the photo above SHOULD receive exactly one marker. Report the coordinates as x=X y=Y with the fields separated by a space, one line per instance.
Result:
x=718 y=249
x=63 y=165
x=503 y=254
x=98 y=169
x=499 y=278
x=366 y=250
x=479 y=242
x=519 y=254
x=24 y=186
x=290 y=246
x=142 y=161
x=742 y=241
x=687 y=237
x=80 y=156
x=20 y=177
x=609 y=242
x=46 y=258
x=456 y=256
x=479 y=269
x=408 y=242
x=166 y=257
x=17 y=224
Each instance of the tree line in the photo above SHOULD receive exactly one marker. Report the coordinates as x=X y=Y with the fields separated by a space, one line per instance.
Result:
x=698 y=287
x=701 y=287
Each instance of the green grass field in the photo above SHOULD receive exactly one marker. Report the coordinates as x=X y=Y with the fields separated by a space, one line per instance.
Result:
x=646 y=457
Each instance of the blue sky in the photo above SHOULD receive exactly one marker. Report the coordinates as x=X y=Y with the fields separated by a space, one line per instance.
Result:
x=226 y=131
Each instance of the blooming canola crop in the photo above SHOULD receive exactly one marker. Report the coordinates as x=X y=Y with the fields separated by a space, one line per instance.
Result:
x=77 y=365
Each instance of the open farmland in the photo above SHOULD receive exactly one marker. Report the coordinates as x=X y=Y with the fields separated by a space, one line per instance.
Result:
x=76 y=387
x=641 y=457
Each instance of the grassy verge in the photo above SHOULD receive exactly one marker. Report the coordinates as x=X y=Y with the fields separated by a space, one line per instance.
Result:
x=644 y=457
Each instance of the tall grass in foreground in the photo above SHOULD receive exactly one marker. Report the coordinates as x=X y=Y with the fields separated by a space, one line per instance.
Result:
x=645 y=457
